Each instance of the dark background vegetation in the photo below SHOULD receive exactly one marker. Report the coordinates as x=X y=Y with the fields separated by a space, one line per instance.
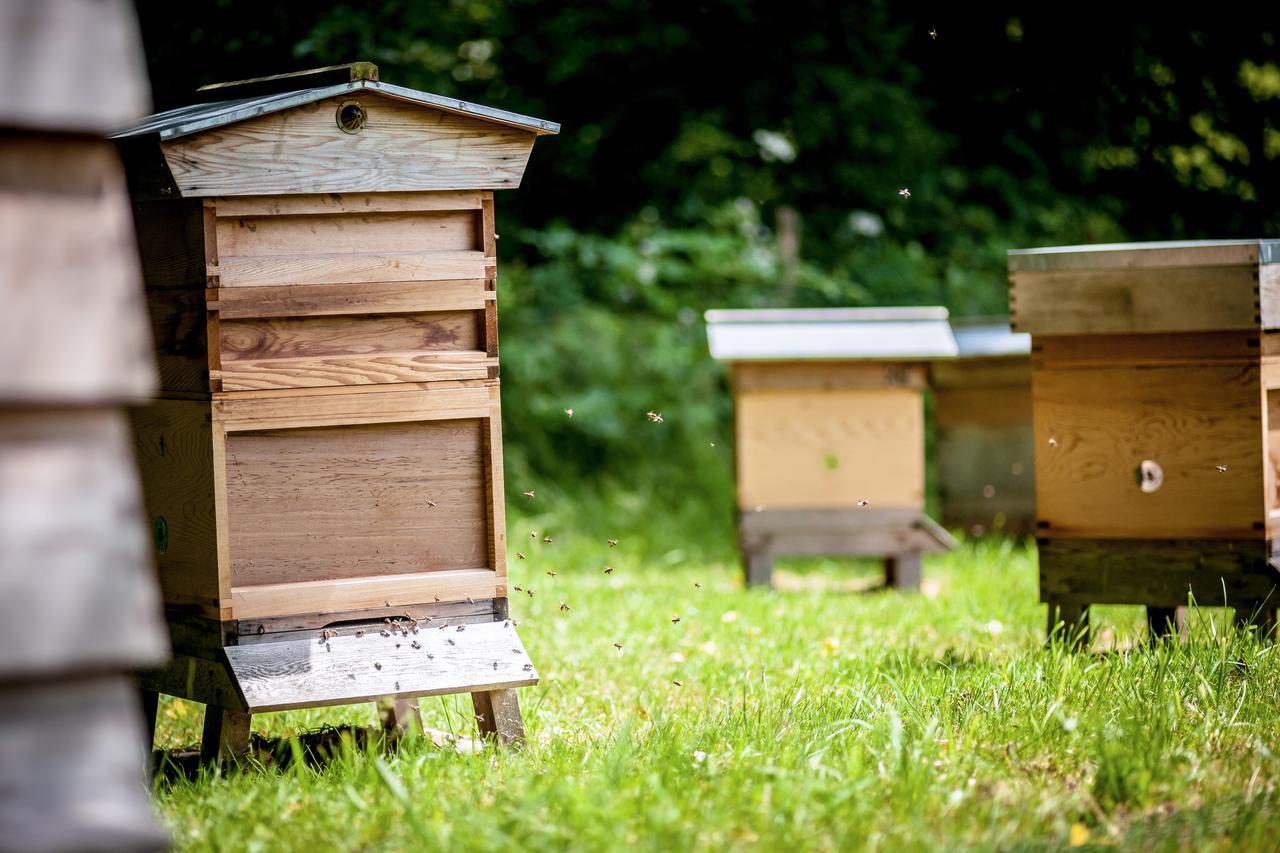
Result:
x=687 y=125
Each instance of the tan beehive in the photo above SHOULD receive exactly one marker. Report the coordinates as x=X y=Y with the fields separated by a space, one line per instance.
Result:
x=320 y=264
x=1154 y=393
x=982 y=415
x=829 y=424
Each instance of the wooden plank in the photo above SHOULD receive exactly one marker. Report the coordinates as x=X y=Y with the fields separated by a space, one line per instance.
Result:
x=821 y=449
x=494 y=494
x=174 y=443
x=348 y=268
x=1143 y=300
x=432 y=615
x=312 y=234
x=362 y=593
x=1139 y=256
x=768 y=521
x=1269 y=295
x=872 y=543
x=403 y=147
x=1271 y=465
x=301 y=300
x=305 y=674
x=388 y=367
x=257 y=340
x=1156 y=572
x=1190 y=420
x=825 y=375
x=337 y=390
x=498 y=715
x=276 y=412
x=62 y=249
x=1202 y=348
x=347 y=202
x=356 y=501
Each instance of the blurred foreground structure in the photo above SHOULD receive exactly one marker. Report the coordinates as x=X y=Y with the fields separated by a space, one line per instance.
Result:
x=830 y=431
x=80 y=604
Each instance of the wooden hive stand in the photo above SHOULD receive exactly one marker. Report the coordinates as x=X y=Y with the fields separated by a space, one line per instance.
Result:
x=1156 y=396
x=829 y=425
x=982 y=414
x=324 y=469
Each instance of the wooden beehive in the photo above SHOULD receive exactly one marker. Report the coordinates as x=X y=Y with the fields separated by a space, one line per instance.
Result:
x=982 y=417
x=320 y=266
x=829 y=424
x=1154 y=381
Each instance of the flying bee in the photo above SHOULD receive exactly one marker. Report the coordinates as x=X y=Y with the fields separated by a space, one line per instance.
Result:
x=1053 y=442
x=864 y=503
x=933 y=34
x=697 y=585
x=431 y=504
x=533 y=534
x=608 y=570
x=519 y=589
x=675 y=619
x=654 y=417
x=529 y=593
x=677 y=684
x=546 y=539
x=564 y=606
x=569 y=412
x=519 y=555
x=613 y=543
x=1222 y=469
x=904 y=192
x=618 y=646
x=551 y=574
x=528 y=494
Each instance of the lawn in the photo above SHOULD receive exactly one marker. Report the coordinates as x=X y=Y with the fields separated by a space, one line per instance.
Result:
x=826 y=715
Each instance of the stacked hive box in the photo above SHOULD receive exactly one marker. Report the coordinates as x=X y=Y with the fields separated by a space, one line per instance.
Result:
x=982 y=412
x=320 y=264
x=1154 y=387
x=830 y=432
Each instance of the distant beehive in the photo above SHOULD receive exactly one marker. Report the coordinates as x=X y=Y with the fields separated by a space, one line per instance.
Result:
x=830 y=432
x=1154 y=387
x=319 y=254
x=982 y=414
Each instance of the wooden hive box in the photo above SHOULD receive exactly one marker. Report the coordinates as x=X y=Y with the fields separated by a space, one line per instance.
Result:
x=319 y=257
x=982 y=415
x=1154 y=384
x=829 y=425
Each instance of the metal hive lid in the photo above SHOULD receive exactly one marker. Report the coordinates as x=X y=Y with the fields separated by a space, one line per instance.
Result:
x=978 y=337
x=197 y=118
x=830 y=333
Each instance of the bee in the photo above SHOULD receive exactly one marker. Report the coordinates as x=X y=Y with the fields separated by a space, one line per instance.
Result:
x=697 y=585
x=397 y=685
x=360 y=633
x=613 y=543
x=529 y=593
x=527 y=667
x=1222 y=469
x=450 y=641
x=677 y=684
x=564 y=606
x=519 y=555
x=506 y=623
x=388 y=603
x=461 y=628
x=385 y=633
x=262 y=629
x=864 y=503
x=326 y=634
x=377 y=665
x=415 y=645
x=1053 y=442
x=713 y=444
x=528 y=494
x=546 y=539
x=654 y=417
x=397 y=645
x=551 y=574
x=608 y=570
x=569 y=412
x=495 y=664
x=904 y=192
x=328 y=648
x=469 y=601
x=933 y=34
x=430 y=656
x=675 y=619
x=431 y=504
x=516 y=652
x=518 y=589
x=533 y=534
x=618 y=646
x=436 y=597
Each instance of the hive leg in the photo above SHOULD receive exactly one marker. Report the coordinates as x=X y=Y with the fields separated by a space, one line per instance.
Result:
x=399 y=715
x=1069 y=620
x=1161 y=622
x=498 y=715
x=759 y=566
x=226 y=734
x=903 y=571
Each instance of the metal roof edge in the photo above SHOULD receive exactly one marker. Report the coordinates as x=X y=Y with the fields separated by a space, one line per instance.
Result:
x=922 y=314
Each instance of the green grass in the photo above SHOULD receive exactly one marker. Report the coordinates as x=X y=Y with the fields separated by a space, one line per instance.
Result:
x=821 y=716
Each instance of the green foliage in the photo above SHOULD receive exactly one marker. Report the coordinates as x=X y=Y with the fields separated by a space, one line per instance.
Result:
x=822 y=716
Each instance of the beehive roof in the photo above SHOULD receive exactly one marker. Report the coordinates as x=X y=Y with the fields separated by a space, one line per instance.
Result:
x=978 y=337
x=1189 y=253
x=197 y=118
x=830 y=333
